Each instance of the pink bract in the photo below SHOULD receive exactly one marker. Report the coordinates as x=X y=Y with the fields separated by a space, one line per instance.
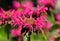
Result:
x=57 y=17
x=16 y=4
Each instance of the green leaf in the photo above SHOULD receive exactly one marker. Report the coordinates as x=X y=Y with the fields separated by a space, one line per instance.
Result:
x=7 y=29
x=53 y=30
x=3 y=35
x=55 y=26
x=37 y=37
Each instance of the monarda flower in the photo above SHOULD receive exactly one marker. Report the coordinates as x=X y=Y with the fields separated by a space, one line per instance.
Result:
x=41 y=10
x=1 y=22
x=52 y=38
x=16 y=20
x=29 y=26
x=28 y=8
x=27 y=4
x=57 y=18
x=15 y=32
x=48 y=25
x=40 y=23
x=58 y=32
x=16 y=4
x=29 y=12
x=5 y=15
x=47 y=2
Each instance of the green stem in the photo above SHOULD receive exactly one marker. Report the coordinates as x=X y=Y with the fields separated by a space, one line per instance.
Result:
x=43 y=34
x=52 y=16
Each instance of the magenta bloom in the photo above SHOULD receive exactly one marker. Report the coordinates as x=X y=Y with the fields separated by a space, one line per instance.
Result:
x=15 y=32
x=58 y=31
x=1 y=22
x=48 y=25
x=40 y=23
x=41 y=9
x=47 y=2
x=29 y=26
x=16 y=18
x=57 y=17
x=28 y=8
x=25 y=18
x=52 y=38
x=27 y=4
x=16 y=4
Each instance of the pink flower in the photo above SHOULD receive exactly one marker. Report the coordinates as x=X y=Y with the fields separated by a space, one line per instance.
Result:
x=15 y=32
x=27 y=4
x=47 y=2
x=1 y=22
x=43 y=17
x=52 y=38
x=26 y=24
x=16 y=4
x=58 y=17
x=28 y=8
x=58 y=31
x=29 y=12
x=57 y=22
x=59 y=40
x=41 y=9
x=40 y=23
x=16 y=21
x=48 y=25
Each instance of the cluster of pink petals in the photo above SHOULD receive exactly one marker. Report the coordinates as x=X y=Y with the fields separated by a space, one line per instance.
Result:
x=15 y=32
x=41 y=23
x=57 y=17
x=52 y=38
x=47 y=2
x=58 y=31
x=16 y=4
x=19 y=15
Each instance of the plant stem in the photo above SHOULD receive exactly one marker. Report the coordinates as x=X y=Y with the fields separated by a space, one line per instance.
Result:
x=43 y=34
